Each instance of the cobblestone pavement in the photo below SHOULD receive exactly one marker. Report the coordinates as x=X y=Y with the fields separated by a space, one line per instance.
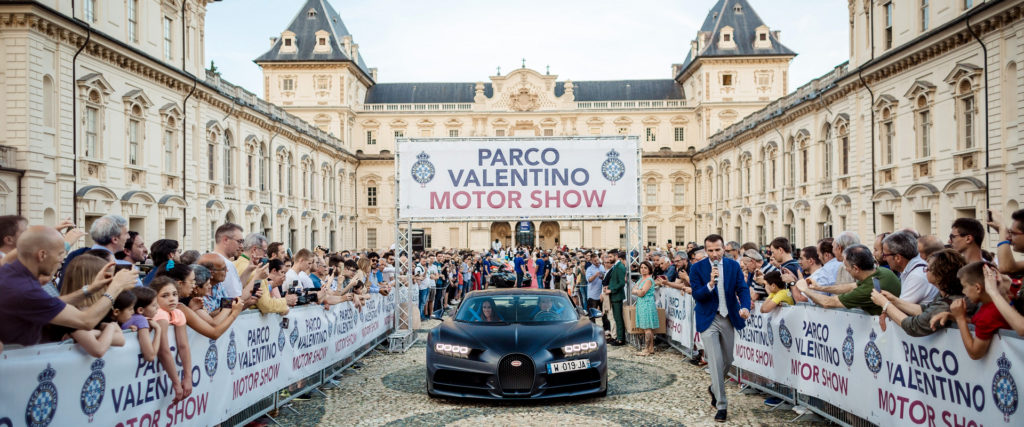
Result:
x=663 y=389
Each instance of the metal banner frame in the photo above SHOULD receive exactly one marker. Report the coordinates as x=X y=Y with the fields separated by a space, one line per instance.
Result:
x=404 y=335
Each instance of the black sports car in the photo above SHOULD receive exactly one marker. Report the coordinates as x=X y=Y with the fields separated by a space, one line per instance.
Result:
x=517 y=344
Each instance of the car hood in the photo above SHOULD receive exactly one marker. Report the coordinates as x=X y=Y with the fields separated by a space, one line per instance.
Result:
x=515 y=338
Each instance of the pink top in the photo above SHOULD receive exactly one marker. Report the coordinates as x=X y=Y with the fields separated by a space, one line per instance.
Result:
x=176 y=317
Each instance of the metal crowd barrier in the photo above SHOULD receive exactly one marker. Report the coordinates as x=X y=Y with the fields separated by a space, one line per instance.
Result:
x=309 y=384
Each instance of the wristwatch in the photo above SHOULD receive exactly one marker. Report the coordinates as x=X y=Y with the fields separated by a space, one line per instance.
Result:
x=85 y=290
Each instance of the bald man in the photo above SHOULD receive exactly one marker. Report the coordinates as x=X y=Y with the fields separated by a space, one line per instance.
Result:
x=26 y=307
x=927 y=245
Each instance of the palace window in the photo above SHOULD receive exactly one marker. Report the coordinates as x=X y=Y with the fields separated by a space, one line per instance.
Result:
x=288 y=84
x=250 y=170
x=499 y=132
x=652 y=134
x=323 y=83
x=792 y=164
x=169 y=147
x=371 y=238
x=724 y=182
x=371 y=196
x=399 y=133
x=924 y=130
x=888 y=25
x=228 y=179
x=134 y=137
x=211 y=163
x=305 y=186
x=680 y=234
x=168 y=40
x=453 y=133
x=371 y=137
x=679 y=134
x=827 y=155
x=652 y=235
x=263 y=166
x=844 y=150
x=967 y=111
x=888 y=137
x=651 y=190
x=623 y=131
x=92 y=131
x=90 y=11
x=678 y=192
x=924 y=15
x=726 y=79
x=133 y=21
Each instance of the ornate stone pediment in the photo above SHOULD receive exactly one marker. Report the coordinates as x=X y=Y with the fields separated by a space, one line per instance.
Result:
x=524 y=90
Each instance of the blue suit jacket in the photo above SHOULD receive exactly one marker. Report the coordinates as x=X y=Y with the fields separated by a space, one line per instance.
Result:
x=737 y=295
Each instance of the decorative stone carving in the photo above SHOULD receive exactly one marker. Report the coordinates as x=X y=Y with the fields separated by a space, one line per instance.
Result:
x=524 y=100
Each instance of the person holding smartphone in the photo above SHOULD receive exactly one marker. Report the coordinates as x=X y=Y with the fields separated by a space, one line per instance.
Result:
x=860 y=263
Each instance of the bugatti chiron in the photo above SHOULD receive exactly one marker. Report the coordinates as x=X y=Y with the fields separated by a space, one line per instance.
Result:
x=506 y=344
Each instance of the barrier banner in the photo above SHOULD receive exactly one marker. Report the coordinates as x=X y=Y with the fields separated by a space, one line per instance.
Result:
x=889 y=378
x=678 y=315
x=60 y=385
x=505 y=178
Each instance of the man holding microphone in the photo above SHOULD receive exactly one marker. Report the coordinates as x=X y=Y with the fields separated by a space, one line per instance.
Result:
x=722 y=300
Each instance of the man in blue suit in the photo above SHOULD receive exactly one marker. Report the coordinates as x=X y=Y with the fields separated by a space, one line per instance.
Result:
x=722 y=306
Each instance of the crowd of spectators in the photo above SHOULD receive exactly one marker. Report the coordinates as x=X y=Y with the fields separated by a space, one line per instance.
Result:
x=94 y=294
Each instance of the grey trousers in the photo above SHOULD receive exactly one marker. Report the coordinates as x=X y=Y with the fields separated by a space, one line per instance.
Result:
x=718 y=343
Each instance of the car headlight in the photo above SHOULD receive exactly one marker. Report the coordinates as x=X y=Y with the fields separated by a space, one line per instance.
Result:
x=578 y=349
x=450 y=350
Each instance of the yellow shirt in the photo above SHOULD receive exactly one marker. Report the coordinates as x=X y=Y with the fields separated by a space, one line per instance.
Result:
x=783 y=296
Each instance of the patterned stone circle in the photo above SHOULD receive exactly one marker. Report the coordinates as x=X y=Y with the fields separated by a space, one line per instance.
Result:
x=576 y=415
x=636 y=378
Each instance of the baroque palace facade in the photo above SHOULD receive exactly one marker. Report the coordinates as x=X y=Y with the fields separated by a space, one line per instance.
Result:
x=108 y=109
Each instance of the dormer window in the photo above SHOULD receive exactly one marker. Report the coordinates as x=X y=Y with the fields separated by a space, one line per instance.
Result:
x=288 y=42
x=727 y=40
x=322 y=46
x=311 y=13
x=737 y=9
x=762 y=40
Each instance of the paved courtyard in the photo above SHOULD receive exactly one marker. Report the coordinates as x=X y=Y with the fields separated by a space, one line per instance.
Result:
x=659 y=390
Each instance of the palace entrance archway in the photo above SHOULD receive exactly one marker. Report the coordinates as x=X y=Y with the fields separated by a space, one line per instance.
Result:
x=501 y=231
x=548 y=235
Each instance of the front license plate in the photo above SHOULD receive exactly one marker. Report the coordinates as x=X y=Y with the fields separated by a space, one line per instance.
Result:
x=568 y=365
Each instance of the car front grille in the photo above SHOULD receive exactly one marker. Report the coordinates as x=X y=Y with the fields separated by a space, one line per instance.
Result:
x=516 y=379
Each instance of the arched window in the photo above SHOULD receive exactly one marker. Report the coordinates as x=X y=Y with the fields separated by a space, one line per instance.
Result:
x=764 y=169
x=888 y=135
x=724 y=182
x=291 y=175
x=844 y=149
x=263 y=166
x=305 y=186
x=250 y=165
x=211 y=156
x=791 y=159
x=228 y=178
x=678 y=192
x=968 y=110
x=826 y=161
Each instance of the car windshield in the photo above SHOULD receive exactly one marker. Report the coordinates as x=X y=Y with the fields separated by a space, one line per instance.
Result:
x=527 y=309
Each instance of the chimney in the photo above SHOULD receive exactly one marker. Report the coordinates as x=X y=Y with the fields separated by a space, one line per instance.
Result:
x=373 y=73
x=778 y=35
x=355 y=52
x=273 y=41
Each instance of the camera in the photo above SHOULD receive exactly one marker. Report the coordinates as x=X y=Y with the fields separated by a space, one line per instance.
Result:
x=226 y=303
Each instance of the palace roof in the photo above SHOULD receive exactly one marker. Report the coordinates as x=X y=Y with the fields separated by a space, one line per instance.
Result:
x=738 y=15
x=315 y=15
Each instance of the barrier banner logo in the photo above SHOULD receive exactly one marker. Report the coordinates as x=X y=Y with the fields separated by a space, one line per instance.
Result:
x=93 y=389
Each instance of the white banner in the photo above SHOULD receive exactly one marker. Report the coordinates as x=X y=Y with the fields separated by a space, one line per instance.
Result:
x=58 y=384
x=888 y=378
x=518 y=177
x=678 y=315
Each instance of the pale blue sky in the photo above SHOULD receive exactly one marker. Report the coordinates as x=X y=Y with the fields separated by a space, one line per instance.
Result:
x=465 y=40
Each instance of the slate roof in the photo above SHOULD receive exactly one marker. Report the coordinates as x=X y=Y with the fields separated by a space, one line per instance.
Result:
x=613 y=90
x=305 y=27
x=744 y=24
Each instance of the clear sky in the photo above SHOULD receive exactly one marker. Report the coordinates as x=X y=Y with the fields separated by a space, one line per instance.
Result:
x=465 y=40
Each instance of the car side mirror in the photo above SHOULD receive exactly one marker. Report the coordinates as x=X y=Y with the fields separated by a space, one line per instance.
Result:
x=594 y=313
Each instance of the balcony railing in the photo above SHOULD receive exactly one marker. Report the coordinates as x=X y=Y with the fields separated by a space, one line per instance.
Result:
x=608 y=105
x=463 y=106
